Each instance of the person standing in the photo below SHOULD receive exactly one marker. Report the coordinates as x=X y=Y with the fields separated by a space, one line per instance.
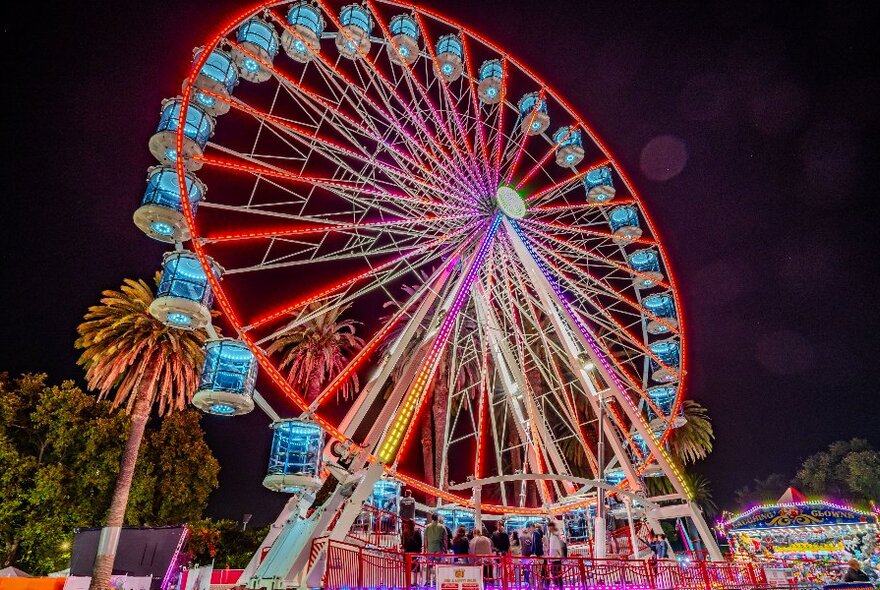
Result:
x=460 y=542
x=525 y=541
x=411 y=542
x=555 y=553
x=662 y=549
x=500 y=540
x=539 y=568
x=481 y=546
x=435 y=536
x=408 y=506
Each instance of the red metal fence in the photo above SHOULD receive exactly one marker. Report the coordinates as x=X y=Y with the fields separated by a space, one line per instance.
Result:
x=352 y=567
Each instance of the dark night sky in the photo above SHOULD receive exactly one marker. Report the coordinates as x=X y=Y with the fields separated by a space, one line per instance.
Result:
x=768 y=224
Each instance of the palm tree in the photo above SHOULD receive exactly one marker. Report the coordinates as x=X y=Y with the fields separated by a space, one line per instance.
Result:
x=693 y=440
x=316 y=351
x=127 y=350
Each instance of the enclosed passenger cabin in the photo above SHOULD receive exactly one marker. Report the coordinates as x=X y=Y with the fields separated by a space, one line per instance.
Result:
x=161 y=214
x=258 y=46
x=624 y=223
x=569 y=146
x=647 y=265
x=669 y=353
x=614 y=477
x=599 y=184
x=491 y=77
x=662 y=307
x=302 y=38
x=663 y=396
x=639 y=443
x=296 y=456
x=577 y=525
x=456 y=517
x=386 y=495
x=226 y=384
x=450 y=57
x=197 y=129
x=217 y=76
x=353 y=39
x=533 y=117
x=405 y=38
x=184 y=296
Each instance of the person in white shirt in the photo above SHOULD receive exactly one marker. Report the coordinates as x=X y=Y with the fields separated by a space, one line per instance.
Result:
x=555 y=552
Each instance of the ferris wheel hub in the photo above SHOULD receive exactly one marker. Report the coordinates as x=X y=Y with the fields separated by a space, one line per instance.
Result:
x=510 y=202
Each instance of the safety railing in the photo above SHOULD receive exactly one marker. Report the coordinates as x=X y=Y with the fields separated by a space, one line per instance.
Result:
x=378 y=528
x=353 y=567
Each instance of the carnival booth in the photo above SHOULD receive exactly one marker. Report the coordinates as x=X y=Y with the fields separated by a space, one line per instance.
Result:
x=800 y=531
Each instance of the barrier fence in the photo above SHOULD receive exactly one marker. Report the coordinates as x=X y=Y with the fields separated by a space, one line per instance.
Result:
x=352 y=567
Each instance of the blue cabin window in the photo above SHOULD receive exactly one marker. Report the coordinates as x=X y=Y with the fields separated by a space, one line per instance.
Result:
x=668 y=351
x=164 y=190
x=220 y=67
x=229 y=366
x=663 y=397
x=661 y=306
x=530 y=102
x=598 y=177
x=296 y=448
x=644 y=261
x=199 y=124
x=454 y=518
x=450 y=44
x=259 y=33
x=614 y=477
x=576 y=528
x=306 y=15
x=403 y=24
x=623 y=217
x=354 y=15
x=565 y=136
x=386 y=495
x=184 y=277
x=491 y=69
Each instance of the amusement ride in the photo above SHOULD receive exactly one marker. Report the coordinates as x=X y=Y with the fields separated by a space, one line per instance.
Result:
x=380 y=162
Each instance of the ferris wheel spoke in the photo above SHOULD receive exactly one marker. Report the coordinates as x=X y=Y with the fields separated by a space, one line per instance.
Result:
x=286 y=309
x=414 y=147
x=577 y=231
x=341 y=122
x=377 y=74
x=554 y=146
x=521 y=144
x=578 y=250
x=557 y=189
x=545 y=210
x=475 y=105
x=499 y=128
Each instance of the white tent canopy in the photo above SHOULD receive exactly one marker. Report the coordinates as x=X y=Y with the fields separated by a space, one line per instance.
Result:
x=13 y=572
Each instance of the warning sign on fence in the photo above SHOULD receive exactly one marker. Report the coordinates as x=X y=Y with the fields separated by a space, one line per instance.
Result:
x=459 y=577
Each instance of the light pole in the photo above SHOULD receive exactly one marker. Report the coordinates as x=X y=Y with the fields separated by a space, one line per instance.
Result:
x=245 y=520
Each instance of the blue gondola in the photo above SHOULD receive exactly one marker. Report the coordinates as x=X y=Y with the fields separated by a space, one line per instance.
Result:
x=353 y=39
x=184 y=296
x=302 y=38
x=198 y=128
x=218 y=75
x=533 y=117
x=662 y=307
x=577 y=525
x=647 y=264
x=569 y=146
x=456 y=517
x=386 y=495
x=161 y=214
x=624 y=223
x=258 y=42
x=663 y=396
x=599 y=184
x=491 y=77
x=226 y=385
x=405 y=38
x=450 y=57
x=669 y=353
x=296 y=456
x=614 y=477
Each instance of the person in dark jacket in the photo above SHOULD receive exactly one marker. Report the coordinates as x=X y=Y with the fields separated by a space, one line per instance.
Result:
x=460 y=542
x=411 y=542
x=855 y=573
x=500 y=540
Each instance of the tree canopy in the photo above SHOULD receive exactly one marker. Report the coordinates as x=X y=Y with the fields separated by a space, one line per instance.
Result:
x=59 y=458
x=847 y=470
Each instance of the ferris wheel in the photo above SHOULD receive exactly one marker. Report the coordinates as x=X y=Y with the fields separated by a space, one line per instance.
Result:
x=382 y=162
